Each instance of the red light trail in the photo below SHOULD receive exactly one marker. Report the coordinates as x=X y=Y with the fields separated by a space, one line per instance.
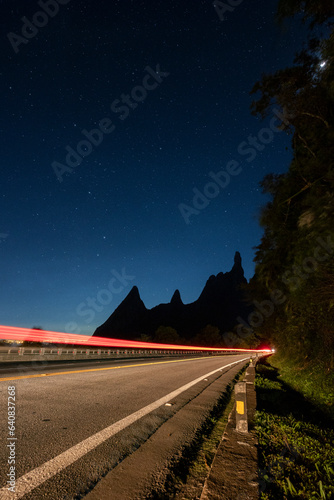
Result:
x=16 y=333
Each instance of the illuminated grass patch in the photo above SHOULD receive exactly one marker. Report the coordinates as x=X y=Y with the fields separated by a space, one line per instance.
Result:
x=296 y=453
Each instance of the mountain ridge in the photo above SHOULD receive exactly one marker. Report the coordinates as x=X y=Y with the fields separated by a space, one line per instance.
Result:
x=221 y=301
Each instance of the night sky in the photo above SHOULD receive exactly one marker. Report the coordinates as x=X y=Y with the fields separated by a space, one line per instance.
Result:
x=168 y=82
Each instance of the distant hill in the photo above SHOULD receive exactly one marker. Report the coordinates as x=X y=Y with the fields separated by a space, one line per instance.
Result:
x=219 y=304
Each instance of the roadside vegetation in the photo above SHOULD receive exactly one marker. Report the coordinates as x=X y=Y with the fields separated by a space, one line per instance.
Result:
x=293 y=285
x=294 y=260
x=295 y=433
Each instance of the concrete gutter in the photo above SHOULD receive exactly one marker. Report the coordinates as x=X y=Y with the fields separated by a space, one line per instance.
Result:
x=234 y=470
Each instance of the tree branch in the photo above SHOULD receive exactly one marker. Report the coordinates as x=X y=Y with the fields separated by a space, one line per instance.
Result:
x=316 y=116
x=305 y=145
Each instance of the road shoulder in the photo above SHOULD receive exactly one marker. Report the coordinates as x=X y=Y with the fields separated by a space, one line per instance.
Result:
x=234 y=470
x=148 y=471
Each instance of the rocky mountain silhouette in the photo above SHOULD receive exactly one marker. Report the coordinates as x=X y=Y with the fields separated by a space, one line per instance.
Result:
x=220 y=303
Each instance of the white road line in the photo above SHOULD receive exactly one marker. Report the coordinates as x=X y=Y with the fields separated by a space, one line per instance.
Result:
x=38 y=476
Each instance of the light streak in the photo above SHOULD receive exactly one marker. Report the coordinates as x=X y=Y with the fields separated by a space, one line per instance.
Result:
x=28 y=334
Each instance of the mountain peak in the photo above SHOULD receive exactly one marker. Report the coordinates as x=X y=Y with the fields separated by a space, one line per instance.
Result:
x=132 y=301
x=134 y=292
x=237 y=269
x=237 y=259
x=176 y=299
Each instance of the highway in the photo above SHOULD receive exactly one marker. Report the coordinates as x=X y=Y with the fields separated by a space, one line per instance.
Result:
x=74 y=423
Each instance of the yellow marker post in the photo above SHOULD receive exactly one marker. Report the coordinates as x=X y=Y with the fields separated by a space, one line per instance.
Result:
x=241 y=407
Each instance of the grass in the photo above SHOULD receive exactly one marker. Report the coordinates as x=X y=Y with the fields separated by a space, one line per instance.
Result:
x=296 y=437
x=315 y=381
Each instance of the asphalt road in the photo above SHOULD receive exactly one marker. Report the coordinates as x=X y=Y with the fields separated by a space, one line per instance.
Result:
x=27 y=367
x=75 y=423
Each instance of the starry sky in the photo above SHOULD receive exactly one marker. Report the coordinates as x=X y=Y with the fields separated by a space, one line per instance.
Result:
x=116 y=118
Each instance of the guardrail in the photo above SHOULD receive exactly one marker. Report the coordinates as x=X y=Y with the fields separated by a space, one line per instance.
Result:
x=53 y=354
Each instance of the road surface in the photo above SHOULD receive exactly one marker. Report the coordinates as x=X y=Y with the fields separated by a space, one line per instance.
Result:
x=75 y=423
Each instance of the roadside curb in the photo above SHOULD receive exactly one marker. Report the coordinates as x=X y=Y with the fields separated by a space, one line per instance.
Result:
x=234 y=471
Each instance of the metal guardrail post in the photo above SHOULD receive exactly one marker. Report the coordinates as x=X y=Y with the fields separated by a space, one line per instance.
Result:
x=241 y=407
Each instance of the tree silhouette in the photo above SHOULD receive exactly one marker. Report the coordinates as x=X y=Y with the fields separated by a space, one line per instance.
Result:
x=300 y=213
